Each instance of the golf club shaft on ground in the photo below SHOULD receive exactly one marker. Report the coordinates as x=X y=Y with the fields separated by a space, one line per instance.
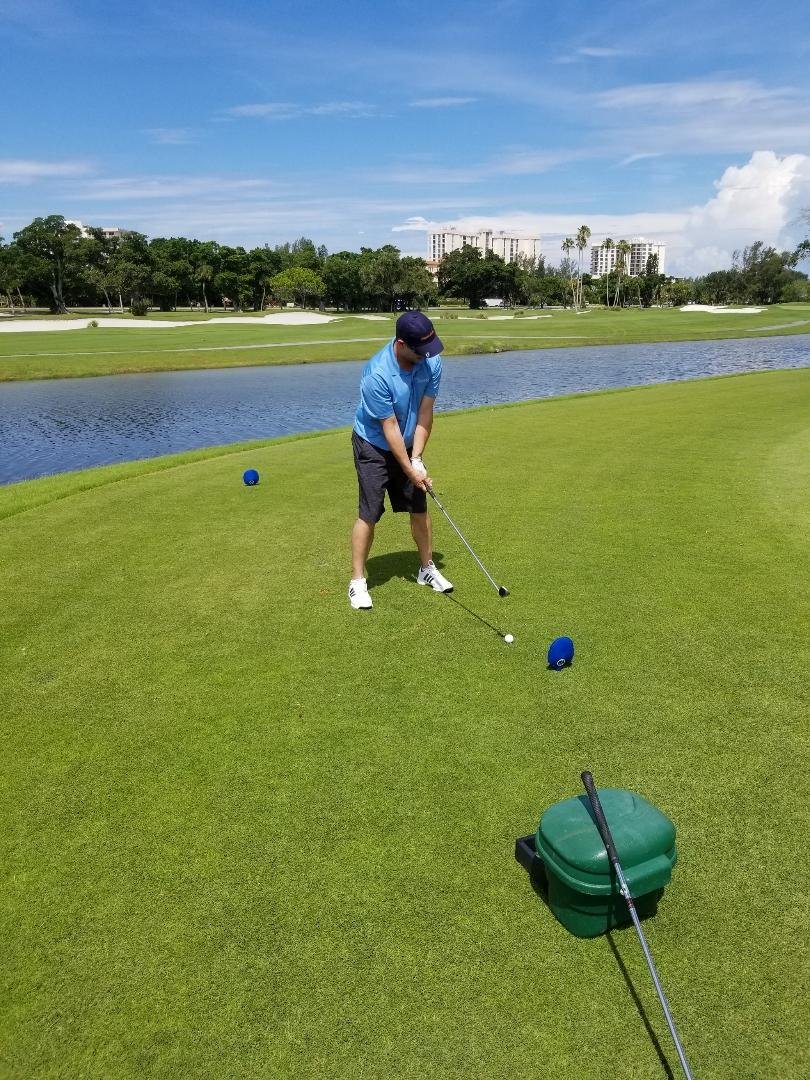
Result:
x=494 y=583
x=610 y=847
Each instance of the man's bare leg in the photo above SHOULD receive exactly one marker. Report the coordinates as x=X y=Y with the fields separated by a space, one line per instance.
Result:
x=422 y=532
x=362 y=539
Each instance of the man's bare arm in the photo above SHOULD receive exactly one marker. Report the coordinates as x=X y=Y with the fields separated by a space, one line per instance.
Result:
x=424 y=424
x=397 y=444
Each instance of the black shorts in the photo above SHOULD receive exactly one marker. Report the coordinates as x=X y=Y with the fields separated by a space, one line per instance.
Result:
x=379 y=471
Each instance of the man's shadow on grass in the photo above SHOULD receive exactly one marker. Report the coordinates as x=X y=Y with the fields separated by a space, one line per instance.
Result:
x=397 y=564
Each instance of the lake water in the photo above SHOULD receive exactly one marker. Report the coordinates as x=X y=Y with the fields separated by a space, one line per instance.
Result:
x=62 y=424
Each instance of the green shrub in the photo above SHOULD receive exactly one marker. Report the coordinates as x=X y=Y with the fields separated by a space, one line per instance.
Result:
x=93 y=324
x=139 y=307
x=476 y=348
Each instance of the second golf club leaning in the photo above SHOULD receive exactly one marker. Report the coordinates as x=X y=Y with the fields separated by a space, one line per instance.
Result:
x=501 y=589
x=610 y=847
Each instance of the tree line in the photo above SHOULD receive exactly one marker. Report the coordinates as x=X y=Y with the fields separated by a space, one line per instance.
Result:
x=54 y=263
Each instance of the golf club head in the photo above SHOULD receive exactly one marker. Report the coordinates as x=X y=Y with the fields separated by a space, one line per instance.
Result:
x=502 y=590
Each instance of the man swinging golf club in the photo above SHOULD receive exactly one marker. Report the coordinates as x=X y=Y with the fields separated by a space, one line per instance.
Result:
x=391 y=428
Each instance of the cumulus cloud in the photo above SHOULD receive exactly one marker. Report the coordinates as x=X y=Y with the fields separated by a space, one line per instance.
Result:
x=760 y=200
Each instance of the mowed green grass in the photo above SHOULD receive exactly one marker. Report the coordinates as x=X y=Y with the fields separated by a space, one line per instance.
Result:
x=103 y=351
x=247 y=832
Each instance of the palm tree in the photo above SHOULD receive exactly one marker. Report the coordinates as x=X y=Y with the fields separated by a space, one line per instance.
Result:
x=568 y=246
x=204 y=273
x=622 y=251
x=583 y=236
x=607 y=247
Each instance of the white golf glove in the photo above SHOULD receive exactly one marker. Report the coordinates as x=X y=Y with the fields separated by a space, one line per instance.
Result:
x=417 y=466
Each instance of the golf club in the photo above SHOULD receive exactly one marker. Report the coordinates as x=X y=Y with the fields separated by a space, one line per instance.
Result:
x=501 y=589
x=508 y=638
x=610 y=847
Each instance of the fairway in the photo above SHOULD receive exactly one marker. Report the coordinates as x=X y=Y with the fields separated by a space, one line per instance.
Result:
x=105 y=351
x=247 y=832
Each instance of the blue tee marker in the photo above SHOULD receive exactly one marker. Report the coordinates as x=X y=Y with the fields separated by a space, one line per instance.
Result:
x=560 y=653
x=251 y=477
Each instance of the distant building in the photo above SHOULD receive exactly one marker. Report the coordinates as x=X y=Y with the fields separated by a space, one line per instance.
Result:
x=507 y=246
x=603 y=261
x=108 y=232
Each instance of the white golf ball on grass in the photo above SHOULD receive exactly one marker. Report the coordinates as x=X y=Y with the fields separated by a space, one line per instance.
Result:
x=508 y=639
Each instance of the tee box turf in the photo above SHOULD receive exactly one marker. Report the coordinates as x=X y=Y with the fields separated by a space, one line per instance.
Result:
x=570 y=869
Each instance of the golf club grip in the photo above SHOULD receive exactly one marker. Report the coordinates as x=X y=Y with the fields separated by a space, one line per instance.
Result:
x=601 y=820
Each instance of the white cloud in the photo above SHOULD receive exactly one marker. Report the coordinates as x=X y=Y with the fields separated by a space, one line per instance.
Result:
x=170 y=136
x=17 y=171
x=760 y=200
x=601 y=53
x=638 y=157
x=125 y=189
x=514 y=162
x=553 y=227
x=592 y=52
x=236 y=210
x=699 y=92
x=441 y=102
x=703 y=116
x=284 y=110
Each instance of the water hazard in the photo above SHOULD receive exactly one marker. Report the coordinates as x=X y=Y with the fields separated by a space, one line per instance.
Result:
x=58 y=425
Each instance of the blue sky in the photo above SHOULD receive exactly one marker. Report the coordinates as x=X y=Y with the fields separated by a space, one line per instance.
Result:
x=361 y=124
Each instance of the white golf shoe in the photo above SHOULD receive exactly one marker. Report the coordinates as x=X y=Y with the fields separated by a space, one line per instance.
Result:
x=358 y=594
x=429 y=575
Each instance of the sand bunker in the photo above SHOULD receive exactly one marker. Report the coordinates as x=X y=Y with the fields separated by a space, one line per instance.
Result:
x=495 y=318
x=719 y=309
x=279 y=318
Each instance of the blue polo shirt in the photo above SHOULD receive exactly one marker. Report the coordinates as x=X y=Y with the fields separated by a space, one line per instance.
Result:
x=386 y=390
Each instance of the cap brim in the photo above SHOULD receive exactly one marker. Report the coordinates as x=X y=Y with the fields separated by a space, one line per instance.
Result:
x=430 y=348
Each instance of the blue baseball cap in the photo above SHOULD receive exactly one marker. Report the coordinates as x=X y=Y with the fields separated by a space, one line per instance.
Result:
x=416 y=330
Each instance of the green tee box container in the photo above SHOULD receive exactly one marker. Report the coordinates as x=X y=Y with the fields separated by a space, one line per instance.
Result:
x=582 y=891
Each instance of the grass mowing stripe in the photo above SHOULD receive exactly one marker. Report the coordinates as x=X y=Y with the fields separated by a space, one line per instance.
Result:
x=27 y=495
x=248 y=832
x=200 y=348
x=103 y=351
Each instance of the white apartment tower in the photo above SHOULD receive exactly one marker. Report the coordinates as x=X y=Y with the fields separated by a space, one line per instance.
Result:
x=501 y=243
x=109 y=232
x=603 y=261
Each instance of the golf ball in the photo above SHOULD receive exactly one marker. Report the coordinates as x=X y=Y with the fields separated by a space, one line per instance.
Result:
x=508 y=639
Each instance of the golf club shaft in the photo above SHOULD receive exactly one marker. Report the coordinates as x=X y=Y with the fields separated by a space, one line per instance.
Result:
x=610 y=847
x=432 y=494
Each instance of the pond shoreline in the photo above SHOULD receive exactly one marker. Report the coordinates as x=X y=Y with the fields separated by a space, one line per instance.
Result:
x=52 y=426
x=96 y=353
